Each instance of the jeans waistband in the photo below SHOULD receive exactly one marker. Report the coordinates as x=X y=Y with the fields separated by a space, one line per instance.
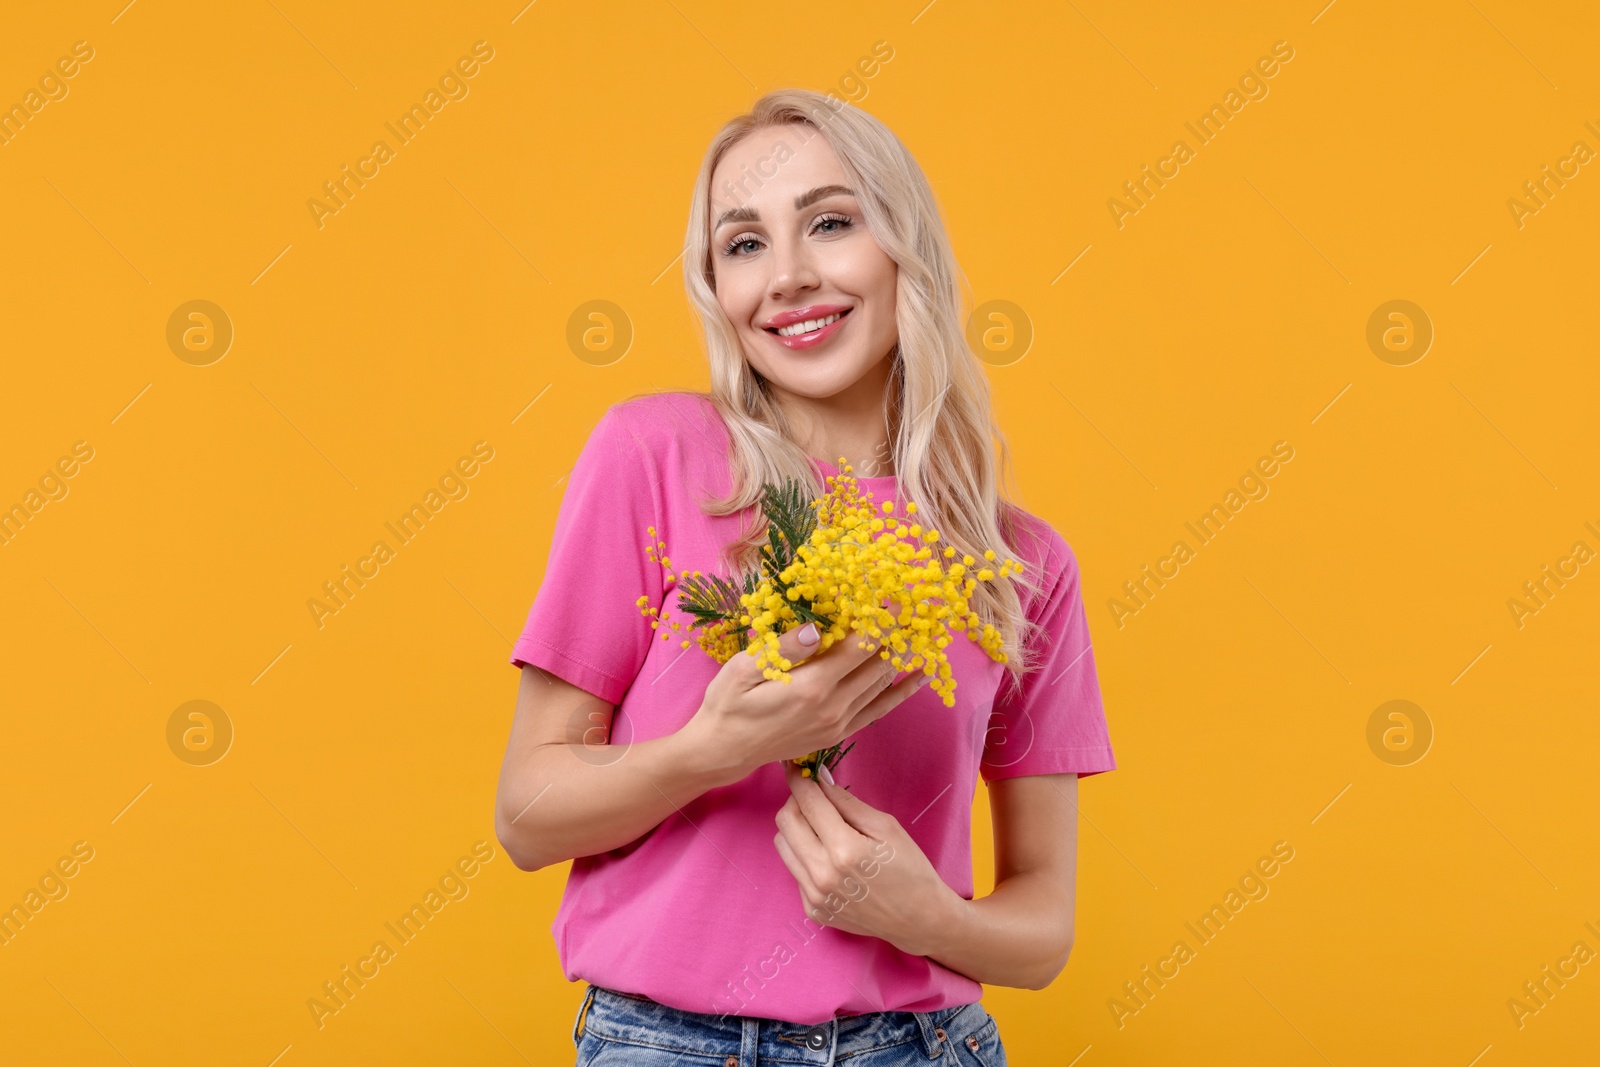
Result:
x=631 y=1019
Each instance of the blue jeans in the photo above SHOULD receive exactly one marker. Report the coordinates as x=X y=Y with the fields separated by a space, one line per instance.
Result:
x=614 y=1029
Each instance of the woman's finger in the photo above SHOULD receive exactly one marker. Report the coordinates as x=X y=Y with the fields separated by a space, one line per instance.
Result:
x=880 y=705
x=828 y=827
x=842 y=658
x=886 y=678
x=790 y=860
x=801 y=838
x=864 y=683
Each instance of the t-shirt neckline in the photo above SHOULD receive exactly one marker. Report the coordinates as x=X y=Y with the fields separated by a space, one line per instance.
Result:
x=867 y=480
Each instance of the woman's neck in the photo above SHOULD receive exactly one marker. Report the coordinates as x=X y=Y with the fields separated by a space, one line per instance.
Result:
x=866 y=449
x=852 y=424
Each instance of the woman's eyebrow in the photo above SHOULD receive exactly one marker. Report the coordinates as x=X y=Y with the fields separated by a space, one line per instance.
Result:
x=801 y=202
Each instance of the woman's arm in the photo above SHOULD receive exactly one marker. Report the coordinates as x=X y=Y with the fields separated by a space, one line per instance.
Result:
x=566 y=792
x=1021 y=934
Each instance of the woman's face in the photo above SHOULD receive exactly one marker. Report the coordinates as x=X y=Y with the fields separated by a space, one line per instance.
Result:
x=789 y=246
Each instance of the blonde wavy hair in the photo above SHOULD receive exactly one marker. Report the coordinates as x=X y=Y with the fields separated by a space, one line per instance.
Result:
x=945 y=449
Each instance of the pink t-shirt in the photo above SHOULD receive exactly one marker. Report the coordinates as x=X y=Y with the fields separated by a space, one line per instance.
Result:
x=701 y=913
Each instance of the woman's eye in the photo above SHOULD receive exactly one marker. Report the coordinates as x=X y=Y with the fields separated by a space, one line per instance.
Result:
x=827 y=224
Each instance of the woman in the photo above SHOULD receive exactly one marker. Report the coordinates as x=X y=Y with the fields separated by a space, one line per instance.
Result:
x=819 y=266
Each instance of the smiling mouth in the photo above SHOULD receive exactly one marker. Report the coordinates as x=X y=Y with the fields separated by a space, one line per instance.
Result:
x=801 y=329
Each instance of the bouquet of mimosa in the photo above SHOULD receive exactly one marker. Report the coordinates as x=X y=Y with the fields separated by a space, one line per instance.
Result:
x=850 y=566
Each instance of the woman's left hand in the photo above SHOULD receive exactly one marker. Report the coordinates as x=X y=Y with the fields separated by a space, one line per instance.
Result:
x=857 y=868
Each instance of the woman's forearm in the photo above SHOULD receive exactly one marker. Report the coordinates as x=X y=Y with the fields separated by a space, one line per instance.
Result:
x=1020 y=935
x=571 y=800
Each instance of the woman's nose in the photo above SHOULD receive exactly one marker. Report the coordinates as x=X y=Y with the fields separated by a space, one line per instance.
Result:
x=792 y=268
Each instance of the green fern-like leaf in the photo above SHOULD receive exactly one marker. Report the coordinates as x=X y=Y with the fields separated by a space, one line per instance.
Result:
x=709 y=598
x=791 y=520
x=790 y=512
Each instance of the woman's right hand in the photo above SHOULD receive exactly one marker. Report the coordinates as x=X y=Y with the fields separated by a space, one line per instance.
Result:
x=752 y=720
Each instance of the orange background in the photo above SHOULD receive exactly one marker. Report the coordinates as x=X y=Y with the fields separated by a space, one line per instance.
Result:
x=370 y=353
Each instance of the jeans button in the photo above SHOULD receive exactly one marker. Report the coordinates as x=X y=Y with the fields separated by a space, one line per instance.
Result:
x=817 y=1038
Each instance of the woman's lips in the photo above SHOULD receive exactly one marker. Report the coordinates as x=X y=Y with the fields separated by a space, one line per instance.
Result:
x=815 y=337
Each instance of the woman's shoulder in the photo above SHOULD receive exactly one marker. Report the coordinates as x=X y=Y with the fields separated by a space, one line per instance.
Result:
x=1041 y=547
x=659 y=420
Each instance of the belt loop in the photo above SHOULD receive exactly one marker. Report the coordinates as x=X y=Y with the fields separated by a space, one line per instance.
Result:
x=583 y=1012
x=750 y=1045
x=932 y=1043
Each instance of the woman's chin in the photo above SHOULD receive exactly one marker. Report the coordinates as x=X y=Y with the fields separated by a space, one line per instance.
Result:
x=815 y=374
x=817 y=386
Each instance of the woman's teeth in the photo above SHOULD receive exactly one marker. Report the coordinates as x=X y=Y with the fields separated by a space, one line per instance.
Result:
x=808 y=326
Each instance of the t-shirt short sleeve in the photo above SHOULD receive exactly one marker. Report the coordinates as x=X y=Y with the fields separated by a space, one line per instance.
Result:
x=585 y=625
x=1056 y=723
